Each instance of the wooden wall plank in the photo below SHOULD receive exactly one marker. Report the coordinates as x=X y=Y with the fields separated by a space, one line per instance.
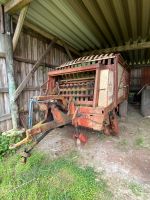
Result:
x=29 y=48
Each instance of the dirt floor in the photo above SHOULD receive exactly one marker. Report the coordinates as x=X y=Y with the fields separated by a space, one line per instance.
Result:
x=124 y=161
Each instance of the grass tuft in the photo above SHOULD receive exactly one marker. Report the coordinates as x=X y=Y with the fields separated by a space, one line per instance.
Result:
x=136 y=189
x=139 y=142
x=4 y=145
x=123 y=142
x=53 y=180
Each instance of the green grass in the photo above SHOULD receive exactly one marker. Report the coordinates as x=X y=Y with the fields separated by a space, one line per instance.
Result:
x=123 y=142
x=40 y=178
x=136 y=189
x=139 y=142
x=5 y=143
x=142 y=142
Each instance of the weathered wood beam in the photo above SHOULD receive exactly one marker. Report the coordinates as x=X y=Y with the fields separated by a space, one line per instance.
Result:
x=3 y=90
x=35 y=67
x=68 y=52
x=2 y=54
x=5 y=117
x=139 y=65
x=128 y=47
x=10 y=72
x=31 y=88
x=13 y=6
x=26 y=60
x=19 y=26
x=48 y=35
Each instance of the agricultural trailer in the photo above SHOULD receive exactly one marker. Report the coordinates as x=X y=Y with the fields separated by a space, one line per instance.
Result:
x=86 y=92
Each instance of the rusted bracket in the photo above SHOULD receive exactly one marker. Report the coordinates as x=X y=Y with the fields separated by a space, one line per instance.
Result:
x=27 y=152
x=59 y=119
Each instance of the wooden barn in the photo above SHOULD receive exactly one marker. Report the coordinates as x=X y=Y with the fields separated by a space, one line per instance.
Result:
x=75 y=99
x=38 y=36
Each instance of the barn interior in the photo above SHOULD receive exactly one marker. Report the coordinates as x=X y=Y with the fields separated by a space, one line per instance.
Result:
x=79 y=28
x=36 y=37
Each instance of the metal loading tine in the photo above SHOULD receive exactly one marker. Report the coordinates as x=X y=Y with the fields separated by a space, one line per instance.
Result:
x=78 y=59
x=87 y=57
x=96 y=57
x=106 y=55
x=91 y=58
x=74 y=62
x=67 y=63
x=71 y=62
x=82 y=58
x=100 y=57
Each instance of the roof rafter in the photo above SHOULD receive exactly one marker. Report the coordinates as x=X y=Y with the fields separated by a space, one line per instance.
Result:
x=13 y=6
x=19 y=26
x=140 y=65
x=127 y=47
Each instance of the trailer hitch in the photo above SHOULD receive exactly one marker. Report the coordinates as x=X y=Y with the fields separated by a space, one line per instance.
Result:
x=27 y=152
x=58 y=119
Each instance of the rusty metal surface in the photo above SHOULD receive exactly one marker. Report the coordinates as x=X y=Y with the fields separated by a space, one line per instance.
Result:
x=80 y=78
x=59 y=119
x=88 y=60
x=73 y=93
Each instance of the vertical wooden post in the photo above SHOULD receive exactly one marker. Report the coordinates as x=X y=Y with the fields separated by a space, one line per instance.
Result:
x=10 y=71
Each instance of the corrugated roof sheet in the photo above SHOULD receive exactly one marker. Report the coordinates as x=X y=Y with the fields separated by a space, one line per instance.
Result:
x=88 y=25
x=94 y=24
